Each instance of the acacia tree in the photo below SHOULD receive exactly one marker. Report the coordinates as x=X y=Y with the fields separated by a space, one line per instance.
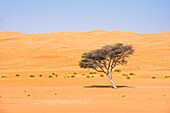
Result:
x=106 y=58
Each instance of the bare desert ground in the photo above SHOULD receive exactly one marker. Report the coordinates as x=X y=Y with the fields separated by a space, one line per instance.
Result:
x=47 y=53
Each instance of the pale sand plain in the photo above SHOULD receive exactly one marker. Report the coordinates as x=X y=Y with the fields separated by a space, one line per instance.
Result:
x=35 y=54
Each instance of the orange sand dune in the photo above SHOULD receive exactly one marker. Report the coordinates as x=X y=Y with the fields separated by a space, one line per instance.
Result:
x=34 y=54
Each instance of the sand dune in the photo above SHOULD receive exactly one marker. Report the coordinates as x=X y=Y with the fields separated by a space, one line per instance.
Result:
x=59 y=52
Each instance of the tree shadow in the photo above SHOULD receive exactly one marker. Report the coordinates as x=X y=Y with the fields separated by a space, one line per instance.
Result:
x=103 y=86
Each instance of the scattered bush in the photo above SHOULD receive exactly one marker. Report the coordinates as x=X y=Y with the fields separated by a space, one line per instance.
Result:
x=50 y=76
x=87 y=76
x=55 y=93
x=132 y=73
x=92 y=76
x=94 y=72
x=3 y=76
x=124 y=74
x=83 y=74
x=153 y=77
x=72 y=76
x=28 y=95
x=66 y=76
x=128 y=77
x=75 y=73
x=53 y=73
x=123 y=95
x=101 y=75
x=40 y=75
x=90 y=72
x=25 y=91
x=167 y=77
x=117 y=70
x=56 y=75
x=31 y=75
x=17 y=75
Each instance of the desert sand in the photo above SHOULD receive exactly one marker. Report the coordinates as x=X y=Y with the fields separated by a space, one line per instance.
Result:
x=59 y=52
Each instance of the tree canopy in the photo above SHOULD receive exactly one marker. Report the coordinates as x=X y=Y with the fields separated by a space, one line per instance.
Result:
x=106 y=58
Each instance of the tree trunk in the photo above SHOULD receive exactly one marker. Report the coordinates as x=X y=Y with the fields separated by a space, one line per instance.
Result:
x=112 y=83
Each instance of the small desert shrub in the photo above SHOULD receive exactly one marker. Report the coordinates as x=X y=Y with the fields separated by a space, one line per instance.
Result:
x=132 y=73
x=83 y=74
x=87 y=76
x=66 y=76
x=28 y=95
x=94 y=72
x=128 y=77
x=101 y=75
x=124 y=74
x=3 y=76
x=92 y=76
x=31 y=75
x=55 y=93
x=53 y=73
x=123 y=95
x=167 y=77
x=40 y=75
x=164 y=94
x=153 y=77
x=56 y=75
x=72 y=76
x=50 y=76
x=117 y=70
x=25 y=91
x=75 y=73
x=90 y=72
x=17 y=75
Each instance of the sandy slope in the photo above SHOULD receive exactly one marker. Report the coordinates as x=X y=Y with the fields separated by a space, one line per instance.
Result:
x=60 y=52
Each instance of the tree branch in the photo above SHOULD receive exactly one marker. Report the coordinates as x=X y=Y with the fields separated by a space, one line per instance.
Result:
x=100 y=67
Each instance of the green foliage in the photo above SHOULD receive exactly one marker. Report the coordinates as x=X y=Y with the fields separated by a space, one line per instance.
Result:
x=55 y=93
x=93 y=72
x=167 y=77
x=90 y=72
x=75 y=73
x=123 y=95
x=128 y=77
x=124 y=74
x=56 y=75
x=17 y=75
x=117 y=70
x=28 y=95
x=66 y=76
x=31 y=75
x=40 y=75
x=118 y=44
x=3 y=76
x=153 y=77
x=53 y=73
x=50 y=76
x=132 y=73
x=92 y=76
x=72 y=76
x=87 y=76
x=85 y=55
x=101 y=75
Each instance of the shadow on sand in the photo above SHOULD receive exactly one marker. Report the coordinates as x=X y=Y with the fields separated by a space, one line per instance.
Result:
x=102 y=86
